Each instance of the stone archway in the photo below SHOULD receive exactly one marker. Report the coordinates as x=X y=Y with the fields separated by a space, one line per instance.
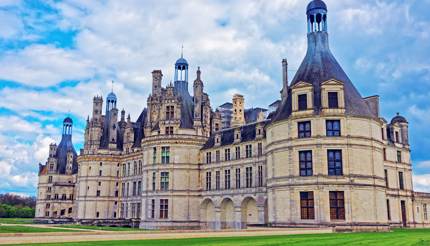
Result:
x=207 y=214
x=227 y=214
x=249 y=212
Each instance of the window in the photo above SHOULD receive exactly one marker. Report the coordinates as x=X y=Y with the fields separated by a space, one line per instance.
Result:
x=140 y=167
x=124 y=170
x=154 y=179
x=425 y=212
x=135 y=168
x=128 y=169
x=164 y=208
x=170 y=112
x=305 y=163
x=51 y=167
x=386 y=177
x=123 y=189
x=237 y=152
x=388 y=210
x=154 y=155
x=164 y=181
x=397 y=137
x=307 y=210
x=134 y=188
x=217 y=180
x=337 y=205
x=128 y=189
x=50 y=179
x=49 y=189
x=334 y=158
x=399 y=156
x=248 y=150
x=227 y=184
x=98 y=193
x=208 y=180
x=302 y=102
x=139 y=188
x=165 y=155
x=304 y=129
x=260 y=176
x=217 y=156
x=152 y=208
x=227 y=154
x=208 y=157
x=385 y=154
x=169 y=130
x=248 y=174
x=260 y=149
x=237 y=178
x=333 y=101
x=401 y=183
x=382 y=134
x=100 y=173
x=48 y=205
x=333 y=128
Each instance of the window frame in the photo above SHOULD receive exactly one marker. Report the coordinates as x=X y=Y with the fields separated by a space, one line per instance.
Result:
x=305 y=163
x=330 y=103
x=337 y=205
x=304 y=129
x=331 y=130
x=302 y=102
x=332 y=165
x=307 y=205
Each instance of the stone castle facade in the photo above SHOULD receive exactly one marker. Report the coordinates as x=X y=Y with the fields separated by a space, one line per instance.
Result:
x=325 y=157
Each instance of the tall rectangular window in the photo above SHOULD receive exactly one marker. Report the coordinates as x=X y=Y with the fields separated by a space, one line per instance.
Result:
x=154 y=155
x=134 y=189
x=399 y=156
x=397 y=137
x=401 y=183
x=305 y=162
x=124 y=170
x=208 y=157
x=248 y=173
x=217 y=180
x=165 y=155
x=169 y=130
x=248 y=149
x=227 y=184
x=388 y=210
x=337 y=205
x=238 y=178
x=217 y=156
x=208 y=180
x=386 y=177
x=304 y=129
x=237 y=152
x=128 y=189
x=332 y=128
x=307 y=210
x=385 y=153
x=227 y=156
x=164 y=181
x=154 y=180
x=170 y=112
x=334 y=158
x=302 y=102
x=164 y=208
x=260 y=176
x=260 y=149
x=139 y=188
x=333 y=100
x=152 y=208
x=50 y=179
x=425 y=211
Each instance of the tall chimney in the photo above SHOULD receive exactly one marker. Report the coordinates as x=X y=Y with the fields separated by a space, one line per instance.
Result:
x=284 y=92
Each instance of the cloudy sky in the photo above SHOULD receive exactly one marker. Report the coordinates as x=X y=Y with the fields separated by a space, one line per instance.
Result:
x=56 y=55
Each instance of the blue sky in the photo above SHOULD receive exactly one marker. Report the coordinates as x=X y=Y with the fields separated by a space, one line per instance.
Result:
x=56 y=55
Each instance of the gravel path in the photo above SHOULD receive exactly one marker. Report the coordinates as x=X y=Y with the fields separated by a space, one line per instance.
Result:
x=60 y=237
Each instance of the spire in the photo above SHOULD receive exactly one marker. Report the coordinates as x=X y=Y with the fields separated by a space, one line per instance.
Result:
x=198 y=73
x=182 y=51
x=112 y=85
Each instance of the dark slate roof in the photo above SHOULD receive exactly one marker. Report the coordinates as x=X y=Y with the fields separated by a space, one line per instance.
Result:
x=251 y=114
x=187 y=107
x=247 y=133
x=181 y=61
x=138 y=128
x=68 y=120
x=319 y=65
x=398 y=119
x=316 y=4
x=63 y=148
x=228 y=105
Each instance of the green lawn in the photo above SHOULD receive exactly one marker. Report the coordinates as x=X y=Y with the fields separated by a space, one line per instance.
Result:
x=99 y=228
x=16 y=221
x=398 y=237
x=27 y=229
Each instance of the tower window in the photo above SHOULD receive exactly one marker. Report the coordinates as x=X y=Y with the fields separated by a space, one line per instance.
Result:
x=169 y=130
x=302 y=102
x=401 y=182
x=227 y=184
x=248 y=176
x=304 y=129
x=337 y=205
x=208 y=157
x=333 y=101
x=237 y=178
x=305 y=160
x=307 y=210
x=165 y=155
x=333 y=128
x=164 y=208
x=170 y=112
x=227 y=154
x=164 y=181
x=399 y=156
x=208 y=181
x=334 y=158
x=217 y=180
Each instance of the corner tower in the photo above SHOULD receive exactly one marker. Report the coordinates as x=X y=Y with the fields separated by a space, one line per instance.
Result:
x=325 y=145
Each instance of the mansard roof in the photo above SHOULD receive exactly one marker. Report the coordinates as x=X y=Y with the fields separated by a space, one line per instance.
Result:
x=63 y=148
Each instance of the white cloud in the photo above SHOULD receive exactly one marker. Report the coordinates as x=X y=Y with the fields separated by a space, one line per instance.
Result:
x=10 y=25
x=421 y=182
x=423 y=164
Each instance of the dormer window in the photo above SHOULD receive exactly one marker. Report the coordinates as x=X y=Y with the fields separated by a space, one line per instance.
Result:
x=170 y=112
x=302 y=102
x=333 y=101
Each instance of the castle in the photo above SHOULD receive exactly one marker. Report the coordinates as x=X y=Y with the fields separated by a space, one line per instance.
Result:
x=324 y=157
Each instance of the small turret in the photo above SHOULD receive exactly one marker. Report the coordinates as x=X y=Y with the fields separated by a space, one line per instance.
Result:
x=238 y=110
x=198 y=94
x=157 y=77
x=97 y=108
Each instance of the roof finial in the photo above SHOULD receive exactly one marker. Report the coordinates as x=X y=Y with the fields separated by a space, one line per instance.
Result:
x=198 y=72
x=112 y=85
x=182 y=51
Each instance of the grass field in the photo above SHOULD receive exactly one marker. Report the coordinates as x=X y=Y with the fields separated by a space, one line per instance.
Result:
x=99 y=228
x=416 y=237
x=16 y=221
x=27 y=229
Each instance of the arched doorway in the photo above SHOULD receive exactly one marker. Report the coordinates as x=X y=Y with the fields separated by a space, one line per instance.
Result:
x=249 y=212
x=207 y=214
x=227 y=214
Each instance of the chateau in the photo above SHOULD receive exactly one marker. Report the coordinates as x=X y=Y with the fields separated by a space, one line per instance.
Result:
x=324 y=157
